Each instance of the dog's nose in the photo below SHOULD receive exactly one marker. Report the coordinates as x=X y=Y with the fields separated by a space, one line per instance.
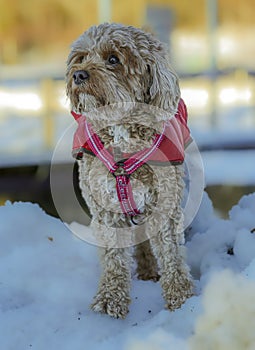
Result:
x=80 y=76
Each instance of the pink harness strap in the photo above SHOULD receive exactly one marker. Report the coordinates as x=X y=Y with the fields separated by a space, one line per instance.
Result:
x=123 y=184
x=125 y=195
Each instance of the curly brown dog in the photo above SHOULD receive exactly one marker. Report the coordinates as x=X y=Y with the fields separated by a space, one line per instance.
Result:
x=117 y=77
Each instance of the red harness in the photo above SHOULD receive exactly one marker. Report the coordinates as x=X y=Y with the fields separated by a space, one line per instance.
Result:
x=168 y=147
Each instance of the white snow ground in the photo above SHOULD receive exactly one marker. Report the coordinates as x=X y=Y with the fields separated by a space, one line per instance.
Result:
x=48 y=278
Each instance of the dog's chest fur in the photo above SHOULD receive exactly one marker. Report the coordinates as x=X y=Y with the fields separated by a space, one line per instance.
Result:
x=123 y=139
x=127 y=138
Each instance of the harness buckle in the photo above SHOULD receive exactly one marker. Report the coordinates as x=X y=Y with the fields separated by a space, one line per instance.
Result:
x=120 y=170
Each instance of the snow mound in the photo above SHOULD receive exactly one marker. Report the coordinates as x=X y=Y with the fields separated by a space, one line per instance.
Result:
x=48 y=278
x=224 y=243
x=228 y=321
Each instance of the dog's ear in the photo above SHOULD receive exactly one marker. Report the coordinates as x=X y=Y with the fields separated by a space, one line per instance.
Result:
x=163 y=89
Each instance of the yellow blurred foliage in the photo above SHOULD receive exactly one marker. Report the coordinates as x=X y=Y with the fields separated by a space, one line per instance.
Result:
x=50 y=25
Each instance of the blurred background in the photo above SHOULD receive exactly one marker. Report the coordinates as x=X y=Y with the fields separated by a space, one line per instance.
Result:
x=212 y=48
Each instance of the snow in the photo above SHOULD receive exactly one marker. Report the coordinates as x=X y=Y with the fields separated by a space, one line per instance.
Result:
x=228 y=322
x=48 y=278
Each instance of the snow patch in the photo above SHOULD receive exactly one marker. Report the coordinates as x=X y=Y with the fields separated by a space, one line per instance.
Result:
x=228 y=320
x=48 y=278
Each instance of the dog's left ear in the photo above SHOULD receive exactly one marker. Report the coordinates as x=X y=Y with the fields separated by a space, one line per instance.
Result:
x=163 y=90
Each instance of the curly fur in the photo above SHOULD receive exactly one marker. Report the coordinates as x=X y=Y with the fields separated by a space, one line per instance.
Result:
x=142 y=75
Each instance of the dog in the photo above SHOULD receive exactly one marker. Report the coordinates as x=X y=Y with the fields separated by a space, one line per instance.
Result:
x=117 y=77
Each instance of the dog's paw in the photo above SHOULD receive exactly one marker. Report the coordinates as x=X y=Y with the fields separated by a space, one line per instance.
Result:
x=176 y=301
x=178 y=292
x=146 y=276
x=112 y=305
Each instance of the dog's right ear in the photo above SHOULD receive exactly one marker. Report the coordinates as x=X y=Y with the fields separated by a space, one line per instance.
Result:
x=163 y=89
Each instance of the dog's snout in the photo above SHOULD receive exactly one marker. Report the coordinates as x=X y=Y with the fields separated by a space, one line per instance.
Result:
x=80 y=76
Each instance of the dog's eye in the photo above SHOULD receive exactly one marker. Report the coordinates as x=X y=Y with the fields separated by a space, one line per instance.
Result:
x=80 y=59
x=113 y=59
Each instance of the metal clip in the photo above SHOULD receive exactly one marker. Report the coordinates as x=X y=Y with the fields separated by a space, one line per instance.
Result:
x=120 y=170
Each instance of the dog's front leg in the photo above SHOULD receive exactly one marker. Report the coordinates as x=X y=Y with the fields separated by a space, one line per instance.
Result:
x=176 y=281
x=113 y=297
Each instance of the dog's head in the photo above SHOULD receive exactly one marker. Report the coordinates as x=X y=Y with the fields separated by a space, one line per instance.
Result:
x=112 y=63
